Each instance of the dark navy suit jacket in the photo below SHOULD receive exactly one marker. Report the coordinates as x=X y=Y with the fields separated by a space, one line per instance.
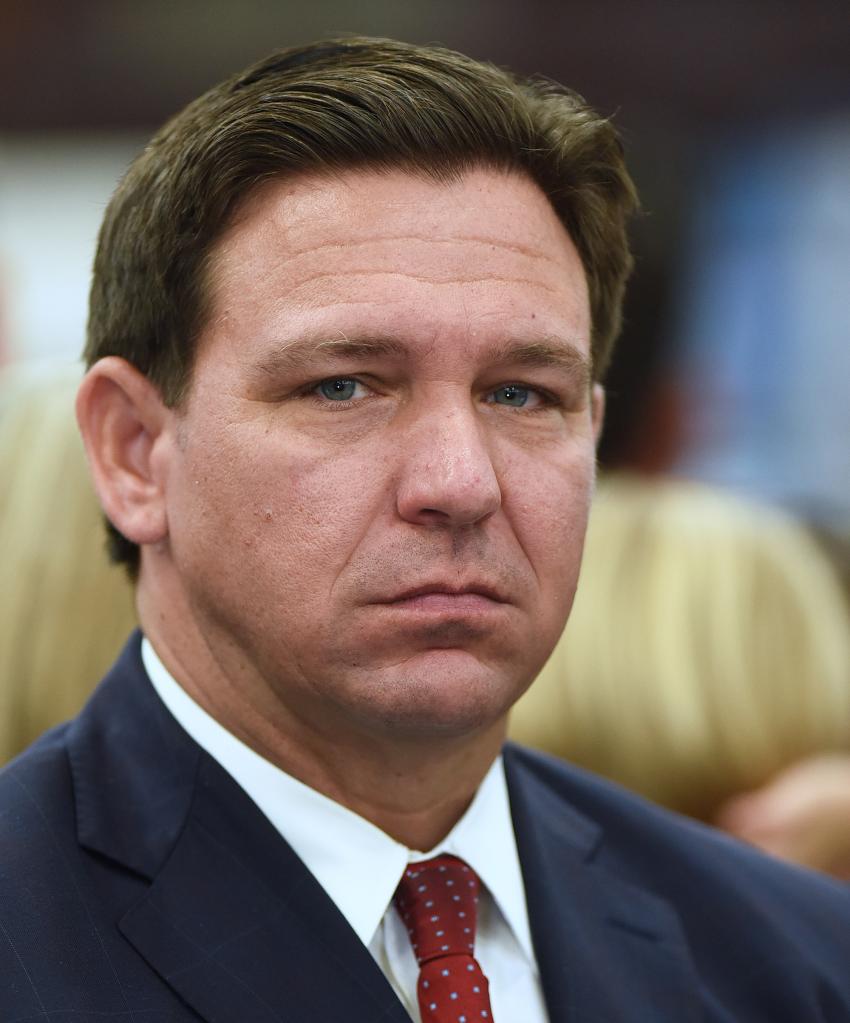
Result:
x=139 y=884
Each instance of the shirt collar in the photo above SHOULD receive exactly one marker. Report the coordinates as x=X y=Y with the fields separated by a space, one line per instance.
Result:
x=337 y=844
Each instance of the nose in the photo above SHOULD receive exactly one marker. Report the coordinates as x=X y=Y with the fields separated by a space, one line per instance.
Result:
x=448 y=479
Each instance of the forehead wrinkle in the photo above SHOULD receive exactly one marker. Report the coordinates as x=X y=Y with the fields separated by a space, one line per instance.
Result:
x=227 y=260
x=447 y=279
x=427 y=238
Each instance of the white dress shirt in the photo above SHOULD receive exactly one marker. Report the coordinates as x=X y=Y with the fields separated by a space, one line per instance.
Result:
x=338 y=845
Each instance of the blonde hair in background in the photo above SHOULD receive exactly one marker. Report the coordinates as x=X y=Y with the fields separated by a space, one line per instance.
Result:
x=64 y=611
x=708 y=647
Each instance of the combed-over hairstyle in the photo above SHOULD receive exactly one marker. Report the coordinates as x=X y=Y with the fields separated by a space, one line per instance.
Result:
x=327 y=107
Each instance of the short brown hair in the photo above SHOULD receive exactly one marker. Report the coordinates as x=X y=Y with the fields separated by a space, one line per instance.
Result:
x=332 y=105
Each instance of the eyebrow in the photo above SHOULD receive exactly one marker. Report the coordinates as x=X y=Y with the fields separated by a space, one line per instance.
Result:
x=551 y=353
x=293 y=355
x=555 y=353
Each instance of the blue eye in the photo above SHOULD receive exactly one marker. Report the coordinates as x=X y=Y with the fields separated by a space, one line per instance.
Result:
x=339 y=389
x=510 y=394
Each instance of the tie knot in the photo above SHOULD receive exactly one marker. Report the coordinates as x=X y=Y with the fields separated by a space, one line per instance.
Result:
x=438 y=900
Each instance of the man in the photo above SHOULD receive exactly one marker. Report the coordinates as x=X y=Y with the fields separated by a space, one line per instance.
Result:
x=349 y=317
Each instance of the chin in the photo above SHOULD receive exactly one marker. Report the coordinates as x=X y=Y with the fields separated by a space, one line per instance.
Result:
x=446 y=693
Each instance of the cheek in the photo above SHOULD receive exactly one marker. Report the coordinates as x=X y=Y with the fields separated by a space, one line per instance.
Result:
x=328 y=501
x=285 y=502
x=551 y=491
x=549 y=507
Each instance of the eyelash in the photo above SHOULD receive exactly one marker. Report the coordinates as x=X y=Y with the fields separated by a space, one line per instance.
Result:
x=310 y=391
x=548 y=400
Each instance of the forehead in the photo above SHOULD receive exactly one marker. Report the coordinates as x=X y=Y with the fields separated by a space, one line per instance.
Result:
x=398 y=252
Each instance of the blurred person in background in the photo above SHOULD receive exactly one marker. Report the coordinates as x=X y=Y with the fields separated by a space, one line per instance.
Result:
x=707 y=655
x=64 y=611
x=350 y=315
x=801 y=815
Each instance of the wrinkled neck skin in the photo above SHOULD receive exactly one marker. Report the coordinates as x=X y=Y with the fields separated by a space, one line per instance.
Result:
x=413 y=786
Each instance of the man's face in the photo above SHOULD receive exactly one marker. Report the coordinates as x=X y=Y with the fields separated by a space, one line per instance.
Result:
x=379 y=497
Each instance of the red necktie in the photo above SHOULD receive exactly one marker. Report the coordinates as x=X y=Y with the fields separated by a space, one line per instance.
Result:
x=437 y=900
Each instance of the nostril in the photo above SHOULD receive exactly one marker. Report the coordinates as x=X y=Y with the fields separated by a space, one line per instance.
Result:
x=435 y=517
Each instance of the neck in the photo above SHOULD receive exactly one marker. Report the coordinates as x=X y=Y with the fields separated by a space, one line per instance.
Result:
x=415 y=796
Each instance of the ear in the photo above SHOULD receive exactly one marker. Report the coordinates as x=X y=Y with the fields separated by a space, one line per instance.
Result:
x=126 y=427
x=597 y=411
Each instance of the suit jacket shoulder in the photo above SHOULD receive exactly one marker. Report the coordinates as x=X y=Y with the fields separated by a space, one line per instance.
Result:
x=758 y=938
x=139 y=882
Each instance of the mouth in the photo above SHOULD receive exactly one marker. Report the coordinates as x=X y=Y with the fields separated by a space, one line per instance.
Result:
x=448 y=598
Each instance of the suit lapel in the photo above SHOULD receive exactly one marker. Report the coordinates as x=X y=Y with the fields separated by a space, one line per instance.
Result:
x=232 y=920
x=267 y=944
x=606 y=950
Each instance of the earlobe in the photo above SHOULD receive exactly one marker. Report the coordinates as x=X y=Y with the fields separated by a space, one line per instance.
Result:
x=126 y=429
x=597 y=410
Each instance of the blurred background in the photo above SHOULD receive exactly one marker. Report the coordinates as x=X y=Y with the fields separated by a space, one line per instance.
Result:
x=735 y=360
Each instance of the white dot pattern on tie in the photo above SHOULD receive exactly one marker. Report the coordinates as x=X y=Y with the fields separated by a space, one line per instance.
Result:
x=437 y=900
